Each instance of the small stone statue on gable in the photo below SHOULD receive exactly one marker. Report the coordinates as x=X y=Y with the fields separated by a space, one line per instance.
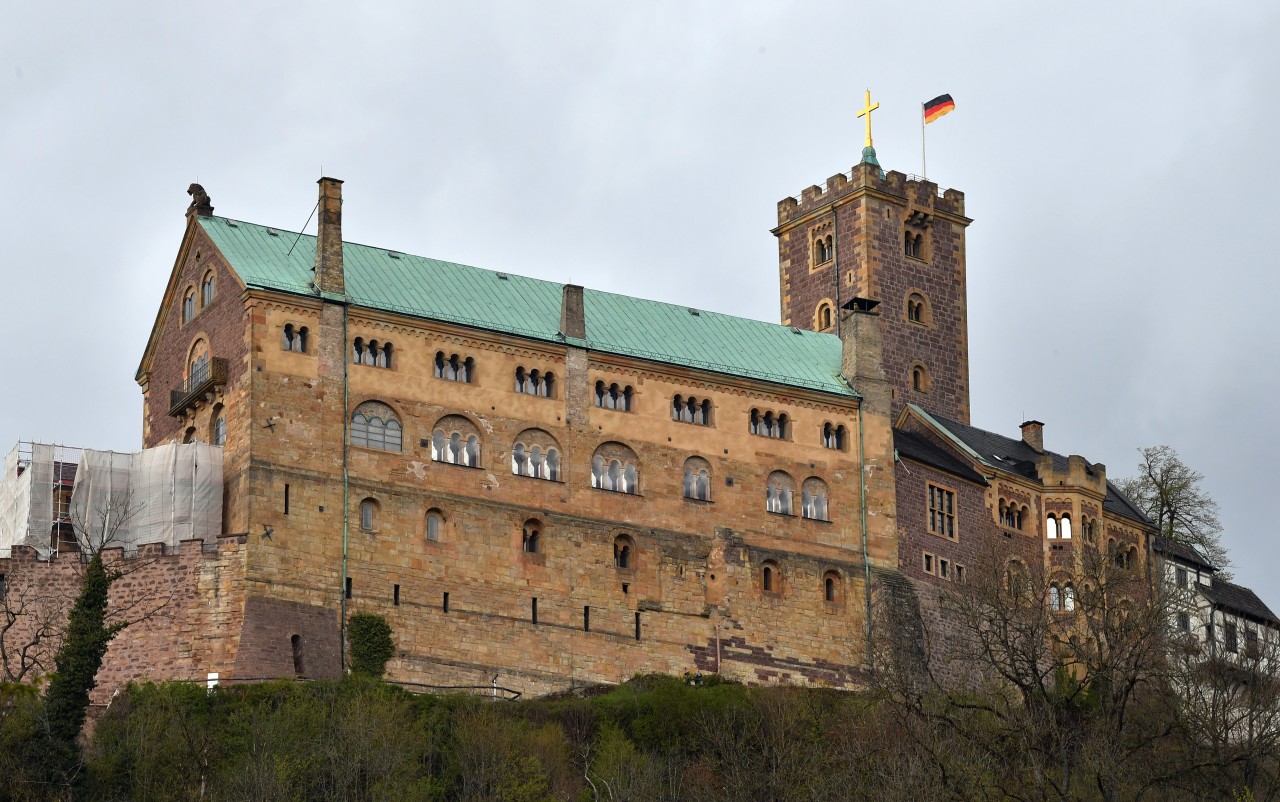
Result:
x=200 y=202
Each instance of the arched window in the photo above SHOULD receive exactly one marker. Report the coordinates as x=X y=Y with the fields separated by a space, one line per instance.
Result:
x=1065 y=527
x=613 y=467
x=188 y=305
x=920 y=378
x=918 y=309
x=530 y=536
x=375 y=425
x=822 y=250
x=770 y=577
x=779 y=490
x=913 y=244
x=814 y=499
x=206 y=290
x=198 y=363
x=190 y=435
x=834 y=436
x=1068 y=598
x=691 y=410
x=295 y=338
x=1055 y=598
x=1131 y=558
x=613 y=396
x=769 y=424
x=824 y=318
x=218 y=427
x=456 y=440
x=455 y=368
x=832 y=587
x=1051 y=527
x=373 y=353
x=435 y=524
x=535 y=382
x=697 y=479
x=536 y=454
x=624 y=552
x=368 y=514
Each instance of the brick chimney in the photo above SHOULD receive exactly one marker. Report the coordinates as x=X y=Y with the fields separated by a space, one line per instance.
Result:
x=328 y=269
x=1033 y=435
x=862 y=357
x=573 y=317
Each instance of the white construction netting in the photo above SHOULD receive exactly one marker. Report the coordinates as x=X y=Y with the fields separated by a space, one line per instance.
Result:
x=160 y=495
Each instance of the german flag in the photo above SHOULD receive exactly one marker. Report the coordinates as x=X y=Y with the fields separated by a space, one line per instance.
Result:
x=937 y=107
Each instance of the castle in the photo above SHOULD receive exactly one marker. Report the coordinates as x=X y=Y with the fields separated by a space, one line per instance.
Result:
x=551 y=485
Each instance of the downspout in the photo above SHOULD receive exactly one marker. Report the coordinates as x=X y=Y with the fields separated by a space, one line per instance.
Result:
x=346 y=495
x=866 y=561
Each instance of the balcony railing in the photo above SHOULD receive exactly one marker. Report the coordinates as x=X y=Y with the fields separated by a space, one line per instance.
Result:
x=197 y=384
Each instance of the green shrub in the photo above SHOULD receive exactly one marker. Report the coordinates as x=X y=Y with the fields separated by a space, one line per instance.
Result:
x=371 y=645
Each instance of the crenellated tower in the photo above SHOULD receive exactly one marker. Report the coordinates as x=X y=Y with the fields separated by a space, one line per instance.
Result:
x=895 y=239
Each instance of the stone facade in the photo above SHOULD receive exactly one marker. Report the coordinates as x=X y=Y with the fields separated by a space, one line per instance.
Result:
x=868 y=214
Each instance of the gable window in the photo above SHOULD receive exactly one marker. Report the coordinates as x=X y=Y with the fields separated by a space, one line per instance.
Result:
x=942 y=512
x=779 y=491
x=188 y=305
x=767 y=424
x=691 y=410
x=371 y=352
x=697 y=479
x=813 y=503
x=535 y=382
x=613 y=396
x=375 y=425
x=454 y=368
x=206 y=290
x=295 y=338
x=368 y=512
x=613 y=467
x=834 y=437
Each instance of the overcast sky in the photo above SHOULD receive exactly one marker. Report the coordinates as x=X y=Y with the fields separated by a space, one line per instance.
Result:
x=1118 y=160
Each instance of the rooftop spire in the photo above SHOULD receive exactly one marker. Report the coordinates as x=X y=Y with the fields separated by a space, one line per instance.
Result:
x=868 y=148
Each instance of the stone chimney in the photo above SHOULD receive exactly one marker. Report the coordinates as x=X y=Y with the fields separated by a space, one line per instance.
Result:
x=328 y=269
x=1033 y=435
x=573 y=317
x=862 y=358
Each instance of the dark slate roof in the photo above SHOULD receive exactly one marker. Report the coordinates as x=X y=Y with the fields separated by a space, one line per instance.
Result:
x=1020 y=458
x=913 y=446
x=1241 y=600
x=1181 y=551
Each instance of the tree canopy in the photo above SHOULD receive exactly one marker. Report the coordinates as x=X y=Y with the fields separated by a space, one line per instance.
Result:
x=1168 y=491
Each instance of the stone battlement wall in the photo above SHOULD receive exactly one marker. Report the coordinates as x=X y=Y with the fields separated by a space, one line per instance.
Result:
x=185 y=605
x=916 y=191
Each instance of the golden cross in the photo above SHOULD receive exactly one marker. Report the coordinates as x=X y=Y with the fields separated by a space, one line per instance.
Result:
x=866 y=112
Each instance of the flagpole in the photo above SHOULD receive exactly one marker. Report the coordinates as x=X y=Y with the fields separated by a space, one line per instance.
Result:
x=924 y=170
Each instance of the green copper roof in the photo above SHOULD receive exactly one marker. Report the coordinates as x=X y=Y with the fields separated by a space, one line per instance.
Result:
x=617 y=324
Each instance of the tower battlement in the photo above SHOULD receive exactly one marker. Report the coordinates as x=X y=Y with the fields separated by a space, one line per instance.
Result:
x=913 y=190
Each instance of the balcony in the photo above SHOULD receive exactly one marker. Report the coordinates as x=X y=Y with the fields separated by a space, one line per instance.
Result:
x=197 y=384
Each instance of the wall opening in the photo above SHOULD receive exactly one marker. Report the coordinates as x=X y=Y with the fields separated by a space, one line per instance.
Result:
x=286 y=499
x=348 y=591
x=586 y=619
x=395 y=595
x=535 y=609
x=298 y=666
x=446 y=601
x=637 y=625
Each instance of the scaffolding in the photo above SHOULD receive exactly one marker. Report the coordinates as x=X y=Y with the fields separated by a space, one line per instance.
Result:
x=56 y=498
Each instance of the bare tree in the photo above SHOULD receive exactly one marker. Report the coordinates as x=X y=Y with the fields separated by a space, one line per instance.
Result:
x=1169 y=493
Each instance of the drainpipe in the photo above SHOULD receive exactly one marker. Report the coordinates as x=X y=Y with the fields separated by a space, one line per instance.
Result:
x=346 y=492
x=866 y=561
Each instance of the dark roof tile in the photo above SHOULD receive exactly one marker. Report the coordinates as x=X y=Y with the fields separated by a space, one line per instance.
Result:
x=913 y=446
